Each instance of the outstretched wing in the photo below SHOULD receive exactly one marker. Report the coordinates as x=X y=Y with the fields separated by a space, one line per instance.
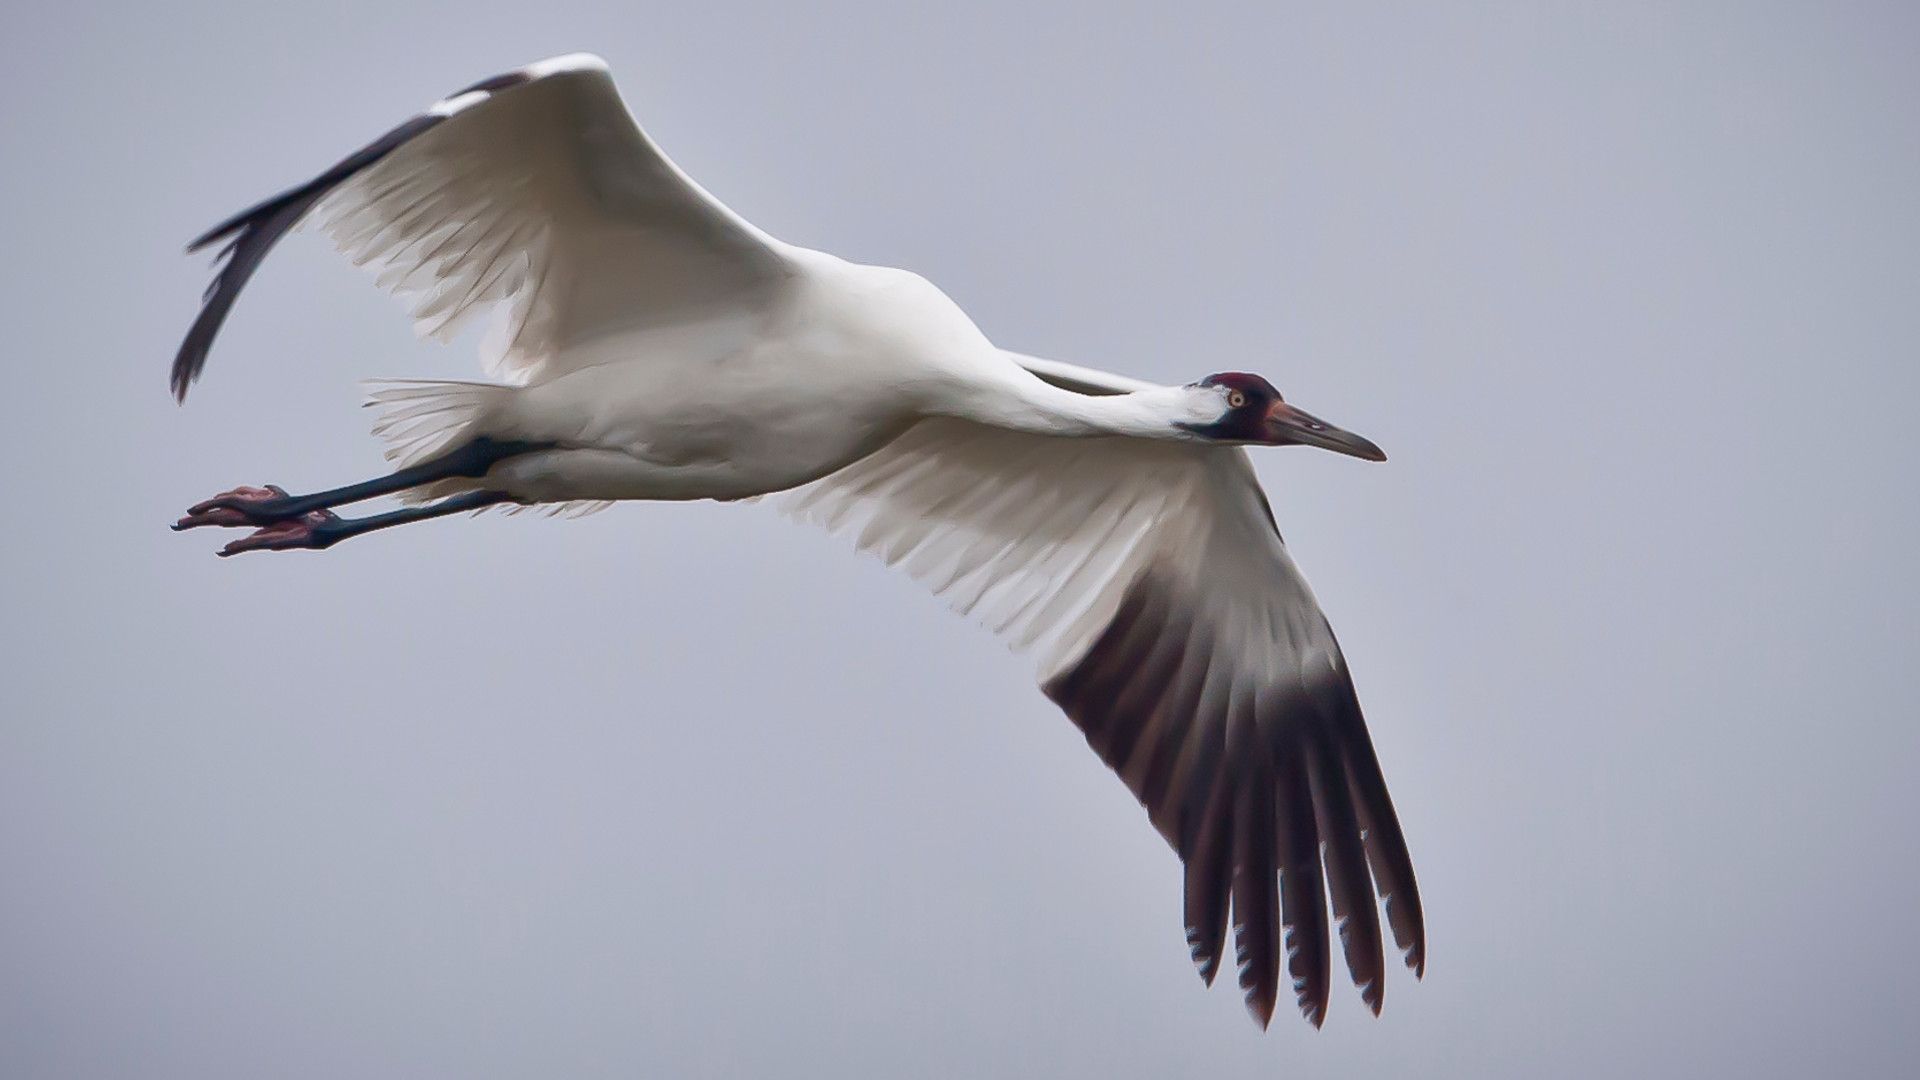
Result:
x=532 y=193
x=1176 y=632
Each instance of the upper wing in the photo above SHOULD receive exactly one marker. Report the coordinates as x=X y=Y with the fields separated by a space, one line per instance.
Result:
x=1178 y=635
x=532 y=191
x=1080 y=380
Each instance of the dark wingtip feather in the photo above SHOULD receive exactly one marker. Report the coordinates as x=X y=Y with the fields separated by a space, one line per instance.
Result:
x=1207 y=850
x=1409 y=932
x=253 y=232
x=1261 y=1010
x=1303 y=897
x=1349 y=883
x=1256 y=904
x=1258 y=964
x=1205 y=962
x=233 y=225
x=1257 y=960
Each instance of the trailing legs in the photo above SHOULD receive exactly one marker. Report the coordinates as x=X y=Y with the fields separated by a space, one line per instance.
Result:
x=284 y=522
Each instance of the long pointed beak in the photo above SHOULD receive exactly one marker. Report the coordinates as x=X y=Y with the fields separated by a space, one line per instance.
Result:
x=1289 y=425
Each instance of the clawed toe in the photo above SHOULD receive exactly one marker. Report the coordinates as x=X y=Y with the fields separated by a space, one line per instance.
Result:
x=242 y=506
x=310 y=531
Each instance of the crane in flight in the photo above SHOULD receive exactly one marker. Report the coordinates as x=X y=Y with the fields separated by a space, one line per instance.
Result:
x=648 y=343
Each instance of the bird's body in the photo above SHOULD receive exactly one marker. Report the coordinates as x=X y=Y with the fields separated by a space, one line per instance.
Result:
x=820 y=381
x=841 y=359
x=653 y=345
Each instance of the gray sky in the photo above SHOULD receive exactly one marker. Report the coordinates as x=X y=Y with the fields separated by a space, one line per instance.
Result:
x=1628 y=294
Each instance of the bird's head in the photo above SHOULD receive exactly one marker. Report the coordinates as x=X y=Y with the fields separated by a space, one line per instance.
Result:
x=1236 y=407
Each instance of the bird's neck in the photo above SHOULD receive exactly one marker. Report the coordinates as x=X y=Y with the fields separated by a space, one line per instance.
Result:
x=1021 y=401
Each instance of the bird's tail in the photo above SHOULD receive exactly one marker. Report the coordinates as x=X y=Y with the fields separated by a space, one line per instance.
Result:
x=421 y=417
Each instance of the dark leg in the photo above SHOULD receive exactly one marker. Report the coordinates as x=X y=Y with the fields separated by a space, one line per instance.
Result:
x=317 y=530
x=268 y=505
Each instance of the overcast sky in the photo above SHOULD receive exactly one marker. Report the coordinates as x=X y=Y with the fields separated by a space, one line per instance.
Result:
x=1630 y=294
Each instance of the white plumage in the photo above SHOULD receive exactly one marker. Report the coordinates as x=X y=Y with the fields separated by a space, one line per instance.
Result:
x=549 y=207
x=653 y=345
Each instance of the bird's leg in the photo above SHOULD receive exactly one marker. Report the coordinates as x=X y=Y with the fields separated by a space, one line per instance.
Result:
x=317 y=530
x=271 y=505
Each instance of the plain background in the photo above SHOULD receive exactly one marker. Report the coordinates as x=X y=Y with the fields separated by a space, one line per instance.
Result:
x=1628 y=292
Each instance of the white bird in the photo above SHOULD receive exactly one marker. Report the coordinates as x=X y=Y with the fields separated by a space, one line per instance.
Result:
x=651 y=344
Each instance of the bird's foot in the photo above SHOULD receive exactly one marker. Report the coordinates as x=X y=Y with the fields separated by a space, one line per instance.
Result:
x=315 y=530
x=255 y=506
x=277 y=523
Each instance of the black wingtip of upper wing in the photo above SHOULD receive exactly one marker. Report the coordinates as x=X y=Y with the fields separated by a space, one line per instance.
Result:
x=249 y=235
x=1205 y=846
x=493 y=84
x=238 y=222
x=253 y=232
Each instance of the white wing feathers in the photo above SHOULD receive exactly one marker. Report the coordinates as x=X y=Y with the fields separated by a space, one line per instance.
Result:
x=1027 y=533
x=532 y=193
x=1033 y=536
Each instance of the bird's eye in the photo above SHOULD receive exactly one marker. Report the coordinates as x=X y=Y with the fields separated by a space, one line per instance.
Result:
x=1235 y=399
